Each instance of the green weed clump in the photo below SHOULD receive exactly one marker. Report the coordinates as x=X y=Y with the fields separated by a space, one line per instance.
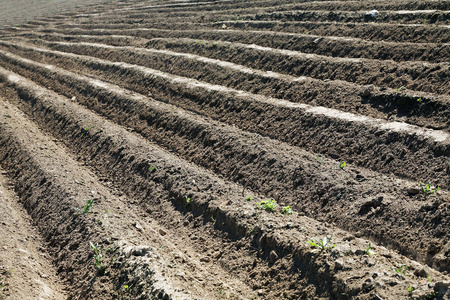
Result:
x=98 y=256
x=322 y=244
x=428 y=189
x=86 y=208
x=268 y=205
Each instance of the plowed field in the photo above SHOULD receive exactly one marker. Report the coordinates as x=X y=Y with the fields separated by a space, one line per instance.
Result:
x=226 y=150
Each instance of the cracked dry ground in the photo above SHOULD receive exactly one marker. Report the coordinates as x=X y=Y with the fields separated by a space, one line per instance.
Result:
x=178 y=119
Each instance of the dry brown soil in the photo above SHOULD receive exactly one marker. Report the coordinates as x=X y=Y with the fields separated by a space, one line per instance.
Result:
x=178 y=120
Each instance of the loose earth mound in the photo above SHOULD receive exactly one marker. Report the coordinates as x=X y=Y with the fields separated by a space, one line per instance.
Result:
x=225 y=150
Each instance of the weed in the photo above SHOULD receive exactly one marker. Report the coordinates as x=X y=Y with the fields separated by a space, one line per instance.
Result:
x=98 y=255
x=152 y=167
x=399 y=89
x=249 y=198
x=319 y=158
x=86 y=208
x=342 y=165
x=322 y=244
x=429 y=278
x=268 y=205
x=188 y=201
x=85 y=130
x=401 y=270
x=419 y=99
x=428 y=188
x=287 y=210
x=125 y=290
x=410 y=289
x=368 y=251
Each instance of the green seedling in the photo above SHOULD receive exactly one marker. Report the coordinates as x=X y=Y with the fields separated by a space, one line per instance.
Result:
x=322 y=244
x=399 y=89
x=368 y=251
x=84 y=130
x=86 y=208
x=428 y=188
x=319 y=158
x=401 y=270
x=153 y=167
x=410 y=289
x=287 y=210
x=249 y=198
x=268 y=205
x=429 y=278
x=98 y=256
x=188 y=201
x=342 y=165
x=419 y=99
x=125 y=290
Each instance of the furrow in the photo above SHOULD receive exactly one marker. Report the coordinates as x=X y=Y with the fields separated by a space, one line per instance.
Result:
x=307 y=43
x=229 y=152
x=378 y=103
x=417 y=76
x=26 y=270
x=405 y=17
x=311 y=15
x=51 y=185
x=129 y=156
x=367 y=31
x=244 y=7
x=289 y=121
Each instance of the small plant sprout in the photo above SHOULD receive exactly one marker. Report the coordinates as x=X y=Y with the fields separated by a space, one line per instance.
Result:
x=368 y=251
x=429 y=278
x=319 y=158
x=342 y=165
x=86 y=208
x=152 y=167
x=84 y=130
x=268 y=205
x=428 y=188
x=399 y=89
x=410 y=289
x=188 y=200
x=287 y=210
x=419 y=99
x=322 y=244
x=98 y=255
x=125 y=290
x=249 y=198
x=401 y=270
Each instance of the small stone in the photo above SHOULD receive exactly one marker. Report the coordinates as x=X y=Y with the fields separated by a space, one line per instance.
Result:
x=338 y=264
x=413 y=191
x=139 y=250
x=205 y=259
x=366 y=93
x=349 y=238
x=162 y=232
x=421 y=273
x=273 y=256
x=138 y=226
